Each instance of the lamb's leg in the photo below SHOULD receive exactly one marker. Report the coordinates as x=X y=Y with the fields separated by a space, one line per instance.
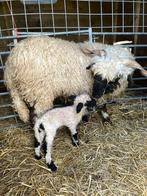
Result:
x=50 y=134
x=39 y=137
x=104 y=114
x=74 y=136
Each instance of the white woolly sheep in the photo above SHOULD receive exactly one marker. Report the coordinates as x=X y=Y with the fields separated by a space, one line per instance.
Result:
x=39 y=69
x=108 y=78
x=70 y=116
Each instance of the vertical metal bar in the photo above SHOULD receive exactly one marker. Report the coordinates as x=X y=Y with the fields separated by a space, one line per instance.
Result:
x=14 y=34
x=25 y=15
x=53 y=17
x=65 y=15
x=133 y=14
x=40 y=17
x=101 y=12
x=11 y=12
x=89 y=13
x=78 y=18
x=136 y=22
x=123 y=16
x=1 y=32
x=112 y=14
x=115 y=20
x=143 y=15
x=90 y=35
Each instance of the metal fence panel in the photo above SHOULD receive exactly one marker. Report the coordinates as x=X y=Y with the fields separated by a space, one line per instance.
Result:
x=106 y=21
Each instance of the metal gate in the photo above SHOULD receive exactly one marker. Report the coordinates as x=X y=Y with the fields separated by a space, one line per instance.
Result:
x=104 y=21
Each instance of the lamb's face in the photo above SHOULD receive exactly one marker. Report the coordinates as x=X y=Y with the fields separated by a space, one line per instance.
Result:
x=84 y=103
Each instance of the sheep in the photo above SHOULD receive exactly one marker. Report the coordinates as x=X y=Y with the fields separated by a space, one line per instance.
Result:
x=69 y=116
x=41 y=68
x=106 y=79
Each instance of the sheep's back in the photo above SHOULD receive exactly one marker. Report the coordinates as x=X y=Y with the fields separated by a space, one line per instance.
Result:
x=44 y=67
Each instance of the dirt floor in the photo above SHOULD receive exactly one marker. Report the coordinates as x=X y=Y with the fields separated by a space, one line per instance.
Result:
x=111 y=159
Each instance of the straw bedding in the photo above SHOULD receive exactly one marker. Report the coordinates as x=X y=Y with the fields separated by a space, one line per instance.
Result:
x=111 y=159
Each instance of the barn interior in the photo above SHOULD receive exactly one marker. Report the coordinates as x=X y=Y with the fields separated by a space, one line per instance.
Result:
x=111 y=158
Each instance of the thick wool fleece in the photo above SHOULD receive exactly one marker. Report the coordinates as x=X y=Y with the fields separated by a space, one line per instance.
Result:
x=42 y=68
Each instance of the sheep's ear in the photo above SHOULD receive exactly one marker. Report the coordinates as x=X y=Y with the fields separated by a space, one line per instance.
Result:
x=86 y=50
x=79 y=107
x=135 y=65
x=91 y=51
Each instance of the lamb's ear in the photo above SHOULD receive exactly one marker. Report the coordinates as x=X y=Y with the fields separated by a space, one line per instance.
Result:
x=79 y=107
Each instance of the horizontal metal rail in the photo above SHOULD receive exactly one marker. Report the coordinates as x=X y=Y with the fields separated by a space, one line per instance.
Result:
x=8 y=116
x=43 y=33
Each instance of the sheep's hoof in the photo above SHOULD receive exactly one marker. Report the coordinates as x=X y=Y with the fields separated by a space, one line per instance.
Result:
x=107 y=120
x=52 y=166
x=37 y=157
x=74 y=139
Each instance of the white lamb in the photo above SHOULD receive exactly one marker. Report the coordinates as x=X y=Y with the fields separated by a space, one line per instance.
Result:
x=70 y=116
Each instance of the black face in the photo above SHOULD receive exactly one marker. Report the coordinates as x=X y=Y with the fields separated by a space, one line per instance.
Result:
x=102 y=86
x=98 y=86
x=91 y=105
x=112 y=85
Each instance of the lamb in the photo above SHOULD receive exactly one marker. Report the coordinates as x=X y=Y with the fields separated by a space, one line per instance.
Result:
x=69 y=116
x=41 y=68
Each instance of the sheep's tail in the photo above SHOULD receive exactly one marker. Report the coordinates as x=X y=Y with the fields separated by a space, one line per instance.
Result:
x=135 y=65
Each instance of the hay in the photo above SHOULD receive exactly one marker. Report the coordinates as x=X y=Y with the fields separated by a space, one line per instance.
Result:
x=111 y=159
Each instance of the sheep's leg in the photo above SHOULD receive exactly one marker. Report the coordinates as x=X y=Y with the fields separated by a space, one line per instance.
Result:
x=39 y=137
x=104 y=114
x=74 y=136
x=49 y=142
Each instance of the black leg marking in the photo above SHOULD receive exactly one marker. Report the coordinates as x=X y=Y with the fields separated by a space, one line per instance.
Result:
x=104 y=114
x=44 y=146
x=36 y=143
x=74 y=139
x=52 y=166
x=41 y=126
x=37 y=157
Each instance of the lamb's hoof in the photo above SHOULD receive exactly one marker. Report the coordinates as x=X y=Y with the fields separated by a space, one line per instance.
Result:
x=74 y=139
x=37 y=157
x=107 y=120
x=75 y=143
x=52 y=166
x=85 y=118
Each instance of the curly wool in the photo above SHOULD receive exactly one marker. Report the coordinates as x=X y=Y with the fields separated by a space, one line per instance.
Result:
x=42 y=68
